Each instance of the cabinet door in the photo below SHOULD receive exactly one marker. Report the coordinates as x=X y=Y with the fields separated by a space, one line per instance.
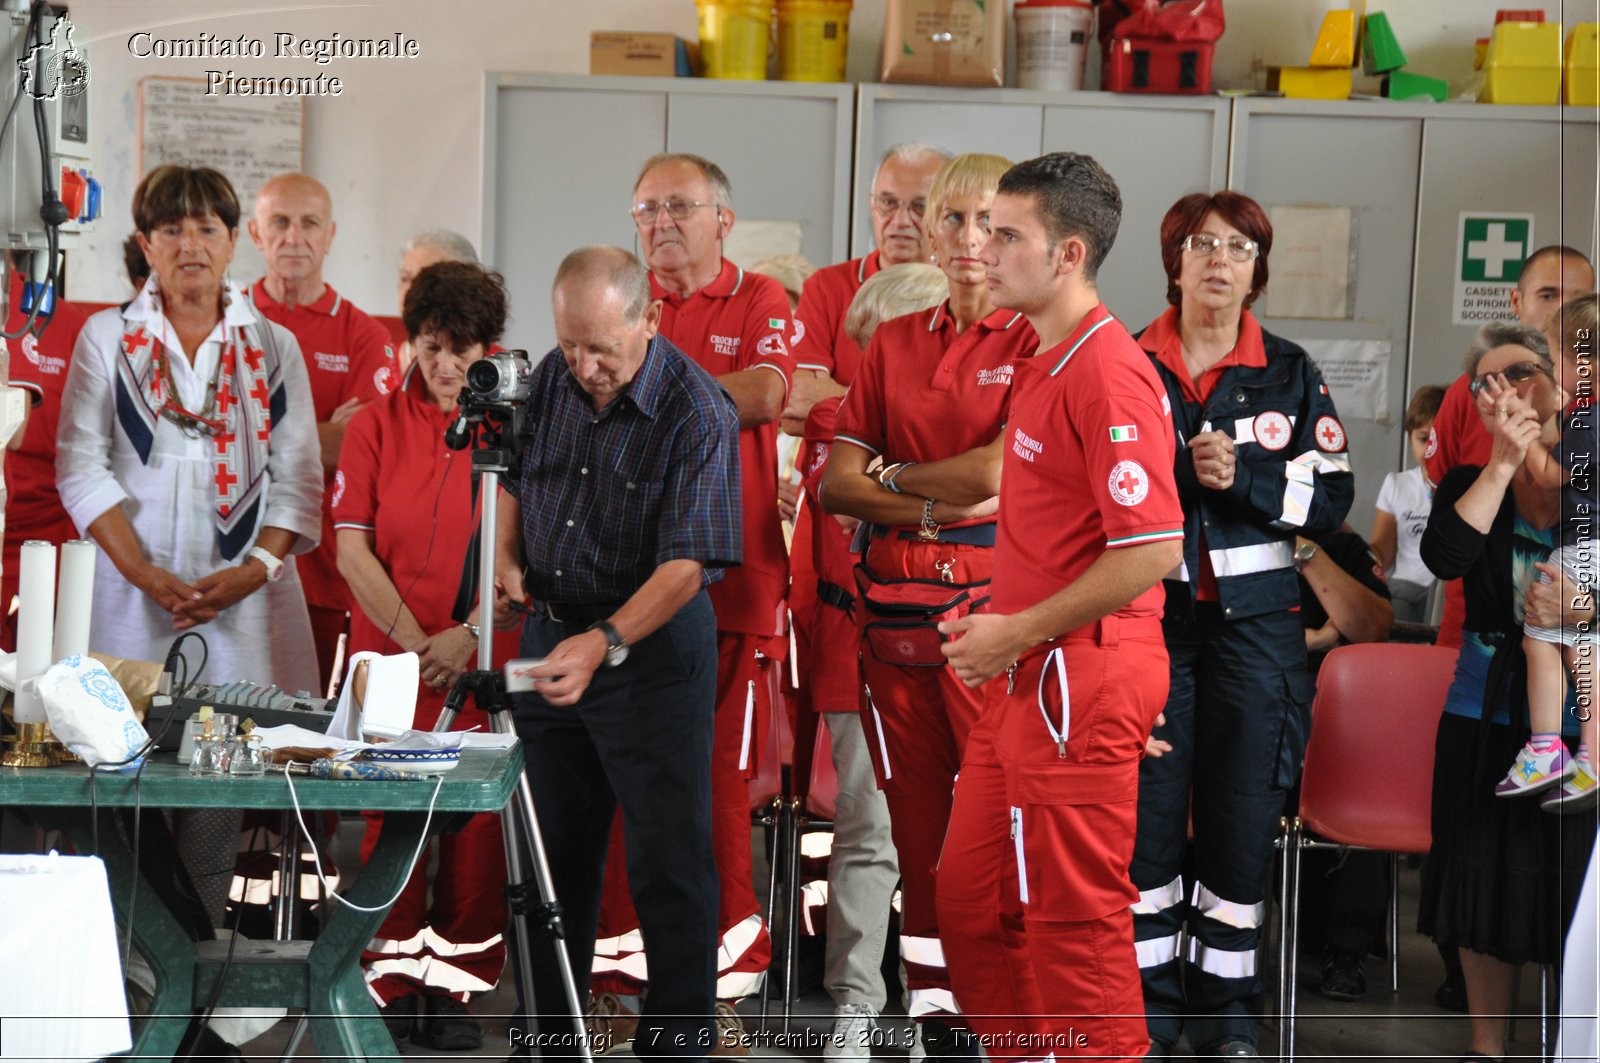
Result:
x=1537 y=161
x=1125 y=134
x=788 y=158
x=1289 y=153
x=556 y=185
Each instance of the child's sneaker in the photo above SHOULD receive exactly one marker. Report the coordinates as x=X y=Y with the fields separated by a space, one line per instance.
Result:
x=1533 y=773
x=1577 y=794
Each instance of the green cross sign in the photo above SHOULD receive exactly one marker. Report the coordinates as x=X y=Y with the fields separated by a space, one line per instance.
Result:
x=1492 y=249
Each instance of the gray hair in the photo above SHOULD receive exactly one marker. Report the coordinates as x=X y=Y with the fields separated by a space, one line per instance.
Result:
x=721 y=187
x=912 y=153
x=452 y=243
x=893 y=292
x=619 y=269
x=1508 y=334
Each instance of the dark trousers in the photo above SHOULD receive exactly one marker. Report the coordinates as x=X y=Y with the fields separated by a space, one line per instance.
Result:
x=640 y=738
x=1237 y=717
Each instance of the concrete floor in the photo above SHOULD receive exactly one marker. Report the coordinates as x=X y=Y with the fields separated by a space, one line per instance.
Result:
x=1383 y=1026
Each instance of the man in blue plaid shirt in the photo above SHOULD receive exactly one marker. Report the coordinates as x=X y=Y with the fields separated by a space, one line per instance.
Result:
x=626 y=508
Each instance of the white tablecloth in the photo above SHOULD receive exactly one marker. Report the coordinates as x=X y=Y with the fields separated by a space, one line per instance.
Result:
x=61 y=992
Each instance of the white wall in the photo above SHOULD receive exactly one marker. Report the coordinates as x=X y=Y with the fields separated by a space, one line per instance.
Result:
x=400 y=149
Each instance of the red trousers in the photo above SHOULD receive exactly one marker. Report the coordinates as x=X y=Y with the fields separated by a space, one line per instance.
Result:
x=917 y=722
x=452 y=943
x=745 y=685
x=1034 y=892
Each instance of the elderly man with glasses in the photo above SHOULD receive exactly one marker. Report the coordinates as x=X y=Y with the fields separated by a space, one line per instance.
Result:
x=734 y=325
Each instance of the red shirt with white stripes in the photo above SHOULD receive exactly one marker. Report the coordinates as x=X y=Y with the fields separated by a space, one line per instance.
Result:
x=1088 y=466
x=925 y=391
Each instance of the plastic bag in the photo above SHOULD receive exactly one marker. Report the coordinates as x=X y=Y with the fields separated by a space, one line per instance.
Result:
x=89 y=712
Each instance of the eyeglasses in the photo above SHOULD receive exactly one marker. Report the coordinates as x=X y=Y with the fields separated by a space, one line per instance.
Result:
x=887 y=205
x=677 y=209
x=1240 y=249
x=1517 y=373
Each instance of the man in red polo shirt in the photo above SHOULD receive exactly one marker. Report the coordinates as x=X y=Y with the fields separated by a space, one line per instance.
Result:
x=1548 y=277
x=1034 y=891
x=898 y=198
x=348 y=355
x=32 y=507
x=735 y=325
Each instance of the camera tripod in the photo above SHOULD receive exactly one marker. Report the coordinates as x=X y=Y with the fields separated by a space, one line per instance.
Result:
x=492 y=457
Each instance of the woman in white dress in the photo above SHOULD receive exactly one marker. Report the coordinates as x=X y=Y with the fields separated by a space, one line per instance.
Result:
x=188 y=451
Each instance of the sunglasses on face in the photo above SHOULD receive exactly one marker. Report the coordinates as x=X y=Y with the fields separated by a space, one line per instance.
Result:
x=1517 y=373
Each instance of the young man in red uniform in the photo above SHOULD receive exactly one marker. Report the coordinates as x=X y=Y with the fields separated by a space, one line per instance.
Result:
x=734 y=325
x=1547 y=279
x=32 y=507
x=1034 y=892
x=347 y=354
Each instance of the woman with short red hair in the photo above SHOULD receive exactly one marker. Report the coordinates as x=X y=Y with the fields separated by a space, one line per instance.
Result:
x=1261 y=462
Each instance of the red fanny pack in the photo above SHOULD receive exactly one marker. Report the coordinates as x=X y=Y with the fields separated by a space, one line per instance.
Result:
x=903 y=615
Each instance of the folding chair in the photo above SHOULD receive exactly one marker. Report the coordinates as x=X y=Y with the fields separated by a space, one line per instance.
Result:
x=810 y=809
x=1367 y=781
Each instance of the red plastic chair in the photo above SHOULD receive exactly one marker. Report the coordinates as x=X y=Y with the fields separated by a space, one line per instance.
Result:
x=1368 y=778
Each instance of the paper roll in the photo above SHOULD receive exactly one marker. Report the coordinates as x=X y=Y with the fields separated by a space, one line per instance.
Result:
x=36 y=587
x=74 y=598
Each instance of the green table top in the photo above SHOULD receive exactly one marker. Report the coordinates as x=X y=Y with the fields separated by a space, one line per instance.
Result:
x=483 y=781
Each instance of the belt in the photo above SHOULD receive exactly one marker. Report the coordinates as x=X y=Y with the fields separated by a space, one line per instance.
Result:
x=574 y=613
x=967 y=535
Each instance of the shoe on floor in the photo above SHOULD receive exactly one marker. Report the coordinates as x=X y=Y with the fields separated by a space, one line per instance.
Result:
x=1342 y=976
x=850 y=1041
x=1451 y=994
x=1577 y=793
x=731 y=1041
x=1236 y=1050
x=447 y=1026
x=611 y=1024
x=400 y=1016
x=1533 y=773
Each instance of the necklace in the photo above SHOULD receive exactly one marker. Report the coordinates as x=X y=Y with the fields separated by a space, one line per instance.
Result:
x=191 y=423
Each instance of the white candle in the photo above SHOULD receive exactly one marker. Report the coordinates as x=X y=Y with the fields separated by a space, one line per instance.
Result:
x=36 y=587
x=74 y=598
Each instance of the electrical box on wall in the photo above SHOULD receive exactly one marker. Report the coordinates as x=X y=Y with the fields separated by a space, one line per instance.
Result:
x=44 y=89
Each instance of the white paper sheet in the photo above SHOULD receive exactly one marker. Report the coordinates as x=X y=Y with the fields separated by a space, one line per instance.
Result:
x=1357 y=375
x=1310 y=263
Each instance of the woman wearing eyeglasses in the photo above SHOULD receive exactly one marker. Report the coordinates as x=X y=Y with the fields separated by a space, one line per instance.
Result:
x=1503 y=875
x=1261 y=459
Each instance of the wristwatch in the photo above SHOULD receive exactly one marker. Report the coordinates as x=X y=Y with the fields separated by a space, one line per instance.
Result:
x=1303 y=555
x=616 y=649
x=269 y=561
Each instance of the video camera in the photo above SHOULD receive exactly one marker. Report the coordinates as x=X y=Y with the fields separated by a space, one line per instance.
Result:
x=491 y=407
x=500 y=379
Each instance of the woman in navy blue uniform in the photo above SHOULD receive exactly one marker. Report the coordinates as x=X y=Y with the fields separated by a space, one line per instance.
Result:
x=1261 y=458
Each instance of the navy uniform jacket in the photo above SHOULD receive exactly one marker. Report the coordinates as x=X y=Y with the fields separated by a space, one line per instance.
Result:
x=1292 y=474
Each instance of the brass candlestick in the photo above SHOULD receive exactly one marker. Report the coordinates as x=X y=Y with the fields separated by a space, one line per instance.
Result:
x=33 y=746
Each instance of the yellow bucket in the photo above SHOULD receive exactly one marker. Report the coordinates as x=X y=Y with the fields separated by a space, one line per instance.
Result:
x=735 y=37
x=813 y=37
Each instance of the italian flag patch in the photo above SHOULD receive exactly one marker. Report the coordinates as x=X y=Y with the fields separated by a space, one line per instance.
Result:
x=775 y=322
x=1125 y=433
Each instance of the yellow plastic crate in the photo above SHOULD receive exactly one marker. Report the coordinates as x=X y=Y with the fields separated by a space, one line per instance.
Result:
x=1523 y=64
x=1310 y=83
x=1583 y=65
x=1336 y=41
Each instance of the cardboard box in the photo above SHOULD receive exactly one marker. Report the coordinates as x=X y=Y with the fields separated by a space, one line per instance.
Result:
x=945 y=42
x=640 y=54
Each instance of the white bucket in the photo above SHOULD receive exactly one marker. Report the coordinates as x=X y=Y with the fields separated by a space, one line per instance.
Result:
x=1053 y=39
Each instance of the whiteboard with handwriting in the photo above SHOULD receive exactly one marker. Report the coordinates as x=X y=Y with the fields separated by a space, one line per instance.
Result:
x=248 y=138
